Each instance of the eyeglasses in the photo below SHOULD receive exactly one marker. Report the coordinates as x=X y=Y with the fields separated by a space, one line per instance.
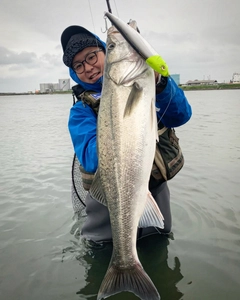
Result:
x=91 y=58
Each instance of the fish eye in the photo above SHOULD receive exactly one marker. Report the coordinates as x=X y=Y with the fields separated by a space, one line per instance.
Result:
x=111 y=46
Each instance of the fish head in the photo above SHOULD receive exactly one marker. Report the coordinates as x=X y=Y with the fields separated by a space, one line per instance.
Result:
x=123 y=65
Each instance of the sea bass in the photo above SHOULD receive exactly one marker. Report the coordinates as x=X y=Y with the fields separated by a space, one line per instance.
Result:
x=126 y=140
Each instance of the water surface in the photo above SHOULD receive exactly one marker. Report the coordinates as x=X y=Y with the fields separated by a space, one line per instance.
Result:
x=41 y=258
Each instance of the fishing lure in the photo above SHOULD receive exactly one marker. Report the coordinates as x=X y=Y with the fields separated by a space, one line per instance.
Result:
x=140 y=45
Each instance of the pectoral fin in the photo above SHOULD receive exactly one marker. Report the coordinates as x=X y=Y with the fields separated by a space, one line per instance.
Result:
x=152 y=215
x=96 y=190
x=133 y=98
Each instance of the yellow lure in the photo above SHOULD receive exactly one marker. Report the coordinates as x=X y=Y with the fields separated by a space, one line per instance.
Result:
x=158 y=64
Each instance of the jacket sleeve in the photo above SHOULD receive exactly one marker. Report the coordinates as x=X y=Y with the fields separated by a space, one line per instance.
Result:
x=82 y=126
x=172 y=106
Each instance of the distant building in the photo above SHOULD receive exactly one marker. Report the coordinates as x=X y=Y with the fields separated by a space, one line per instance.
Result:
x=201 y=82
x=236 y=78
x=176 y=78
x=48 y=87
x=62 y=85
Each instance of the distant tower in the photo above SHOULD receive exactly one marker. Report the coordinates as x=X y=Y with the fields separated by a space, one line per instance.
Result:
x=236 y=78
x=176 y=78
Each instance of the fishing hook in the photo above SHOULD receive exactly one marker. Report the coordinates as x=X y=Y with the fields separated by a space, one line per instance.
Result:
x=106 y=27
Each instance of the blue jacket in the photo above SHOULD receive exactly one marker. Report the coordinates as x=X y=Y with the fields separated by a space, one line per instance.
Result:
x=172 y=109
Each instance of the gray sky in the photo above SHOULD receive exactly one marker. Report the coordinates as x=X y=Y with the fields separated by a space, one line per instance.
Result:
x=197 y=39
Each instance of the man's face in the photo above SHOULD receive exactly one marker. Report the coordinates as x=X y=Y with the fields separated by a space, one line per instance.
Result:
x=91 y=72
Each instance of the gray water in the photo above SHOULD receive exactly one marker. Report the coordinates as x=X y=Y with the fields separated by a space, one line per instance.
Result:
x=41 y=258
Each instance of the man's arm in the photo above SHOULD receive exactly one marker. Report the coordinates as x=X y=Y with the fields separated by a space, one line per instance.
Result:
x=82 y=126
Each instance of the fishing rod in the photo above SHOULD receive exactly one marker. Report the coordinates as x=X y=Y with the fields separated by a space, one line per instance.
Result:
x=109 y=7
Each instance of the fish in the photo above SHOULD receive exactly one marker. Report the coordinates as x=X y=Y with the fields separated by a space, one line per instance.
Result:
x=126 y=141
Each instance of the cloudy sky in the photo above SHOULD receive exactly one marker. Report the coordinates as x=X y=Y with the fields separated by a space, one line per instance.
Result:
x=197 y=39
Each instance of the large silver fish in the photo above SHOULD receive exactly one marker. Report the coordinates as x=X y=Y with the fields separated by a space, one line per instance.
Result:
x=126 y=139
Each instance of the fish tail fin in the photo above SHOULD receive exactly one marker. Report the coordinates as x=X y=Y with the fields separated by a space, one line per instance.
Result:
x=133 y=279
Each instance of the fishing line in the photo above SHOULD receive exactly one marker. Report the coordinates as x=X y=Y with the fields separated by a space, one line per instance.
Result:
x=91 y=16
x=94 y=29
x=171 y=96
x=116 y=8
x=158 y=230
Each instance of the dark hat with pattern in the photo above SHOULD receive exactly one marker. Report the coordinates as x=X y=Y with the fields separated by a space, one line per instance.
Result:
x=74 y=39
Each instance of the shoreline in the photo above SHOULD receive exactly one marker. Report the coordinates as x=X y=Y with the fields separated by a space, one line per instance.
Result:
x=221 y=86
x=203 y=87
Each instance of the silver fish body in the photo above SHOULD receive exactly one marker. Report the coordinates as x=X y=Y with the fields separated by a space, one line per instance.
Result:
x=126 y=139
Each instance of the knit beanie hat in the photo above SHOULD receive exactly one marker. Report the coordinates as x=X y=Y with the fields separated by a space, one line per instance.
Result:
x=74 y=39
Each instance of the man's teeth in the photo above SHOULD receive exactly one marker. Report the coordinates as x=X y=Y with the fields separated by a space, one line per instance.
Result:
x=93 y=76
